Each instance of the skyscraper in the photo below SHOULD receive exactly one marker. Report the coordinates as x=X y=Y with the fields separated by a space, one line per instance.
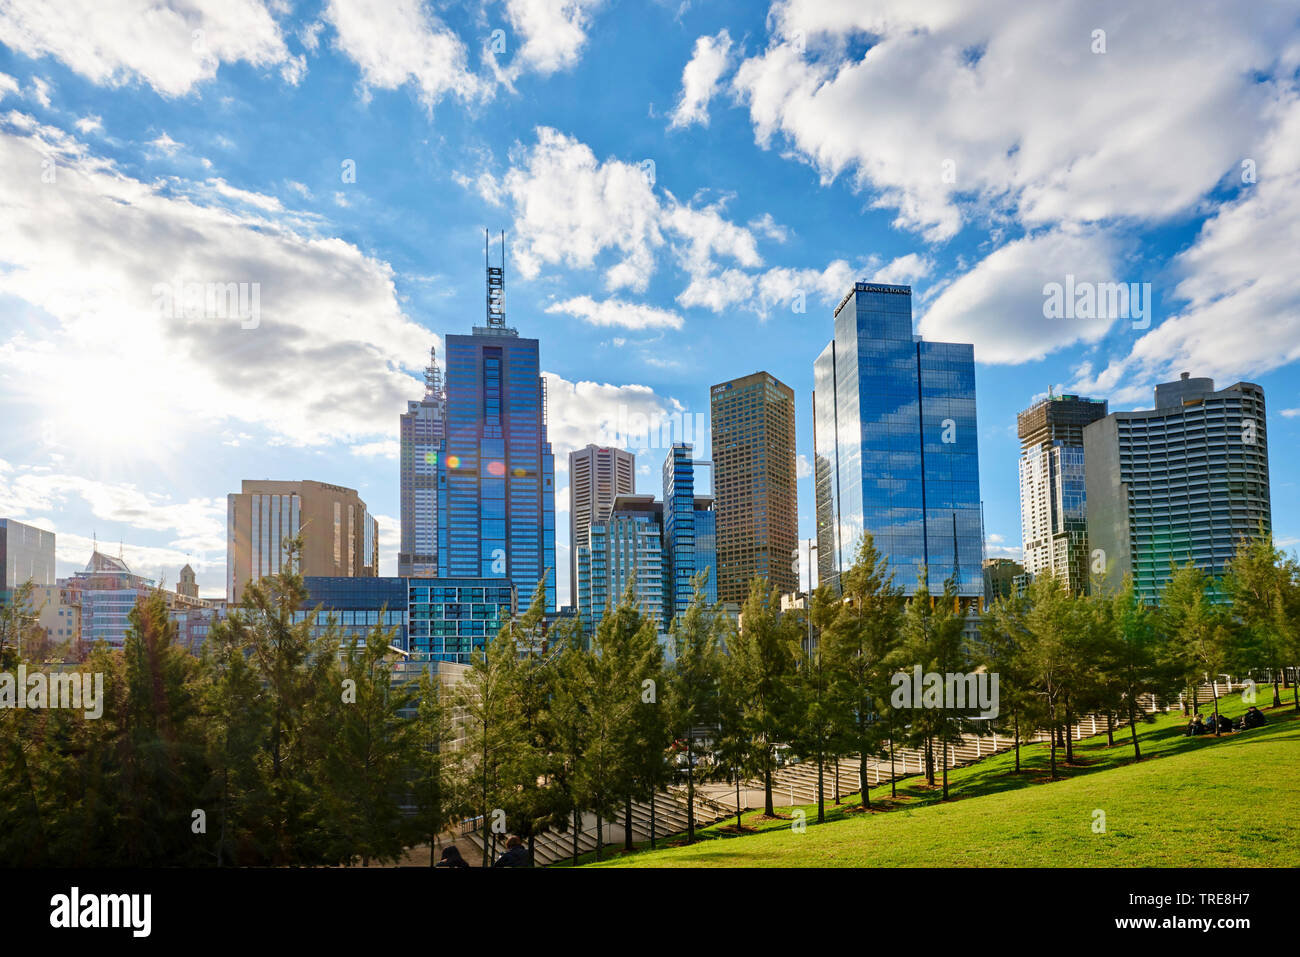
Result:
x=340 y=536
x=500 y=468
x=752 y=424
x=596 y=477
x=1183 y=482
x=424 y=479
x=624 y=548
x=1053 y=516
x=895 y=445
x=689 y=532
x=26 y=554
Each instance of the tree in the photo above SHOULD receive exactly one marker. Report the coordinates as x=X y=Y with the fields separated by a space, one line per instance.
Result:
x=1258 y=580
x=1005 y=638
x=860 y=637
x=485 y=700
x=932 y=639
x=434 y=792
x=373 y=749
x=1051 y=627
x=1198 y=630
x=694 y=685
x=763 y=656
x=294 y=663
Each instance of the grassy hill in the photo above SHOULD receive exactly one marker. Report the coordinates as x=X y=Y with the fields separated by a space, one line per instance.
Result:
x=1191 y=802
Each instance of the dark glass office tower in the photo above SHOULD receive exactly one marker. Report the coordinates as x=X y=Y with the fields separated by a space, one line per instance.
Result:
x=895 y=445
x=500 y=469
x=689 y=531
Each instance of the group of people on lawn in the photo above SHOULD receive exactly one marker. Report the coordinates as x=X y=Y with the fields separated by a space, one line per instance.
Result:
x=1253 y=718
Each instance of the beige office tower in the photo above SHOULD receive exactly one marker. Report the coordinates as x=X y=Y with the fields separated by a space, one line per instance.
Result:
x=597 y=476
x=752 y=423
x=339 y=536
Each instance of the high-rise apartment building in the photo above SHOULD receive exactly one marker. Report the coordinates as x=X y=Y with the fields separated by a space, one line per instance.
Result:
x=689 y=532
x=896 y=448
x=624 y=548
x=752 y=426
x=500 y=468
x=1183 y=482
x=1053 y=515
x=1002 y=577
x=597 y=476
x=340 y=537
x=26 y=554
x=423 y=482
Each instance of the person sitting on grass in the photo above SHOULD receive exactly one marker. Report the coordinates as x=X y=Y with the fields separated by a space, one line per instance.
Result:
x=516 y=854
x=1253 y=718
x=1195 y=726
x=1225 y=723
x=451 y=857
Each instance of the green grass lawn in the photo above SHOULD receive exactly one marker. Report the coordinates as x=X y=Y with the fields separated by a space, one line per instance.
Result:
x=1191 y=802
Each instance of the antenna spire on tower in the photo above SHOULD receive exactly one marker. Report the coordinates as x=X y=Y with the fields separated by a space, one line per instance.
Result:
x=496 y=283
x=433 y=375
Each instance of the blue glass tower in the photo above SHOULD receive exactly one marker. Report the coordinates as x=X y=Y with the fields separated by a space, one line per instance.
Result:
x=689 y=533
x=500 y=470
x=895 y=445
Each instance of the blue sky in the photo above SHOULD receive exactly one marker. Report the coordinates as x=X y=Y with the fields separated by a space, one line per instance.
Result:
x=675 y=181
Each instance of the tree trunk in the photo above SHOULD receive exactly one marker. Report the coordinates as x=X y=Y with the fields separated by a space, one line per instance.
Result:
x=532 y=847
x=1015 y=730
x=1069 y=733
x=1053 y=736
x=1277 y=698
x=929 y=761
x=1133 y=727
x=1217 y=732
x=600 y=835
x=768 y=808
x=652 y=820
x=627 y=824
x=821 y=786
x=737 y=803
x=893 y=777
x=862 y=779
x=945 y=768
x=837 y=780
x=1110 y=729
x=690 y=794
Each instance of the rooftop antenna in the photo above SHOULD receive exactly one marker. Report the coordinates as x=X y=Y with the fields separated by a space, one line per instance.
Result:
x=496 y=284
x=433 y=375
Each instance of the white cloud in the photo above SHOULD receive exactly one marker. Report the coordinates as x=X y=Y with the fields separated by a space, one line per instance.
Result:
x=1031 y=120
x=1290 y=413
x=8 y=85
x=165 y=144
x=998 y=304
x=616 y=312
x=323 y=362
x=579 y=413
x=700 y=79
x=1237 y=279
x=40 y=91
x=172 y=45
x=90 y=124
x=803 y=468
x=384 y=448
x=553 y=31
x=396 y=42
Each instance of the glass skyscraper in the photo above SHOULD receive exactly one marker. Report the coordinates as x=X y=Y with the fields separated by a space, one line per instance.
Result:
x=895 y=445
x=500 y=472
x=1053 y=513
x=624 y=548
x=689 y=532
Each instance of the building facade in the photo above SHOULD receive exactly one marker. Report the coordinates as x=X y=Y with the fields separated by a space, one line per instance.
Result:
x=895 y=445
x=500 y=468
x=340 y=536
x=423 y=479
x=689 y=531
x=1183 y=482
x=26 y=554
x=752 y=423
x=1003 y=578
x=436 y=619
x=1053 y=491
x=624 y=549
x=596 y=477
